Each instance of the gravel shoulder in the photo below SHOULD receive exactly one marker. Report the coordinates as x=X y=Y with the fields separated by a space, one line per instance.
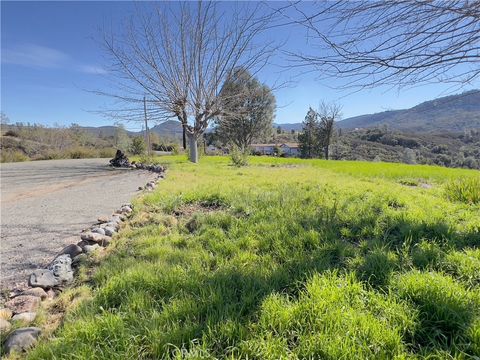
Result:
x=45 y=205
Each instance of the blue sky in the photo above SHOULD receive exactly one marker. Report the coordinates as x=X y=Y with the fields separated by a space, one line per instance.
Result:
x=49 y=58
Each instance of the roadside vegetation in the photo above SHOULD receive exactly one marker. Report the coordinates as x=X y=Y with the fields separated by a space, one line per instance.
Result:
x=285 y=259
x=25 y=142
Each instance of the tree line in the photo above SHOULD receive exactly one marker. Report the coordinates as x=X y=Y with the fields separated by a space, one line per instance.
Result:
x=317 y=131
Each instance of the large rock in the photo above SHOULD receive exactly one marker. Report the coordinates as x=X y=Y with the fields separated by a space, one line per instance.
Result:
x=79 y=259
x=5 y=326
x=72 y=250
x=36 y=291
x=103 y=219
x=43 y=278
x=96 y=238
x=112 y=224
x=23 y=303
x=126 y=209
x=26 y=317
x=21 y=339
x=98 y=230
x=61 y=268
x=120 y=160
x=90 y=248
x=91 y=236
x=109 y=230
x=118 y=218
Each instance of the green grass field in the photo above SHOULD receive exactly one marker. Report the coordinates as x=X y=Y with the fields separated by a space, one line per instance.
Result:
x=286 y=259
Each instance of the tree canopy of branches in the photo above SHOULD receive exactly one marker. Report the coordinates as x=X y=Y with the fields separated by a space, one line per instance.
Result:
x=394 y=43
x=248 y=109
x=179 y=55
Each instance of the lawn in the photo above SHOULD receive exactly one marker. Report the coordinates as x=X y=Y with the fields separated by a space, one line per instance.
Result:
x=286 y=259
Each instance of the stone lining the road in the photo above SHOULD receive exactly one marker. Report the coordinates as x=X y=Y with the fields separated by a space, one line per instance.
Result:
x=46 y=283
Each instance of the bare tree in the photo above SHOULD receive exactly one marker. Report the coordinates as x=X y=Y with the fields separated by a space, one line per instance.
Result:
x=328 y=114
x=396 y=43
x=180 y=55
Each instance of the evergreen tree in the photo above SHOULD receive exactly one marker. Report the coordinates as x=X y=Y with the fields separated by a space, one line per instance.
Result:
x=248 y=110
x=308 y=138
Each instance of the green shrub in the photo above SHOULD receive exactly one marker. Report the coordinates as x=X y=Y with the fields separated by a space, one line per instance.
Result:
x=238 y=157
x=465 y=190
x=138 y=146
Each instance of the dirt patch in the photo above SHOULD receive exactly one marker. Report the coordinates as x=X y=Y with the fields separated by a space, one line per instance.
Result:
x=189 y=209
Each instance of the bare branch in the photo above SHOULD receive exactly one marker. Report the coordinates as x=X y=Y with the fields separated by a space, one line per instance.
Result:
x=396 y=43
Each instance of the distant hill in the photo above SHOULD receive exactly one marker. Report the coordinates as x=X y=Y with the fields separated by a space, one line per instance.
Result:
x=453 y=113
x=104 y=131
x=289 y=126
x=170 y=128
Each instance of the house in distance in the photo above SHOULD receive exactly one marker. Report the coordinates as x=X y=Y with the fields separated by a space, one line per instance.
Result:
x=285 y=149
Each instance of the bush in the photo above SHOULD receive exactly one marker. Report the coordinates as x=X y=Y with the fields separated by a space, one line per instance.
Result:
x=50 y=155
x=11 y=133
x=138 y=146
x=465 y=190
x=82 y=153
x=107 y=153
x=238 y=157
x=13 y=156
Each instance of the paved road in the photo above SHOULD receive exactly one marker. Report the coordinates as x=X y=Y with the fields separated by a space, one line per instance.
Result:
x=45 y=205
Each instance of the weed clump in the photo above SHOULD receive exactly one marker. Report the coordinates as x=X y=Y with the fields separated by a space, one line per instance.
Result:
x=464 y=265
x=466 y=190
x=375 y=267
x=426 y=254
x=446 y=309
x=238 y=157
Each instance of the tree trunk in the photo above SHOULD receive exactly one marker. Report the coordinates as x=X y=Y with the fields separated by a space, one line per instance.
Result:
x=193 y=148
x=326 y=152
x=184 y=138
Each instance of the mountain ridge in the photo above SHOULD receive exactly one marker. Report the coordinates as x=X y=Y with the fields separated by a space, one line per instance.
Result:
x=453 y=113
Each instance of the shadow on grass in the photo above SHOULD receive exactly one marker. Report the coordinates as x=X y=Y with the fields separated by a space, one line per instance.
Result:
x=177 y=298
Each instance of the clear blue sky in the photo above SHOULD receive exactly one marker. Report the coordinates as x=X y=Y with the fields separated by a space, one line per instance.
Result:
x=50 y=56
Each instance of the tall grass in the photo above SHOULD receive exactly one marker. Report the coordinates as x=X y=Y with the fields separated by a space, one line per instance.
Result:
x=465 y=190
x=299 y=260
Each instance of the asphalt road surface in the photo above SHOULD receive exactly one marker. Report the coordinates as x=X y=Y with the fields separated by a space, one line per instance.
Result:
x=46 y=204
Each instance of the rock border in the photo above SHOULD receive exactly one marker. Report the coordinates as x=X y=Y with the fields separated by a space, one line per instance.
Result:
x=47 y=283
